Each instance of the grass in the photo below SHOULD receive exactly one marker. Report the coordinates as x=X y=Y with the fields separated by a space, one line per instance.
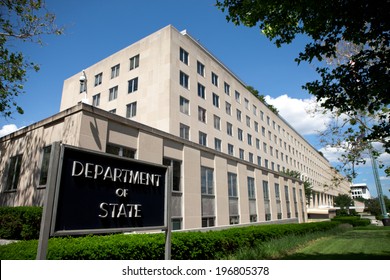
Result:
x=281 y=247
x=365 y=243
x=357 y=244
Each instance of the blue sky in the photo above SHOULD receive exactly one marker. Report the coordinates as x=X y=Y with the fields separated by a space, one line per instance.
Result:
x=96 y=29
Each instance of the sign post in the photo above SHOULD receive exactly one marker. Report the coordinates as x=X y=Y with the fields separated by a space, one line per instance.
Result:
x=91 y=192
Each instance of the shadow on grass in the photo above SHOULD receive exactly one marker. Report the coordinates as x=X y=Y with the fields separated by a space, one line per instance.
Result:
x=349 y=256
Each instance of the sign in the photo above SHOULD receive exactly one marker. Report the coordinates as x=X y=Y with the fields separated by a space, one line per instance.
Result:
x=97 y=192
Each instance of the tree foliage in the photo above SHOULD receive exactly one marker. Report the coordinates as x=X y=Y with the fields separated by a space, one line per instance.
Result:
x=261 y=97
x=356 y=86
x=343 y=201
x=306 y=184
x=25 y=21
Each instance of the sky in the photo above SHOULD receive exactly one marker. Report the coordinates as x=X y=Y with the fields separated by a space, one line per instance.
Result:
x=95 y=29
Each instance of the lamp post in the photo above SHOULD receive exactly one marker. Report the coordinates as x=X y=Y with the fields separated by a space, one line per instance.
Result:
x=83 y=87
x=385 y=220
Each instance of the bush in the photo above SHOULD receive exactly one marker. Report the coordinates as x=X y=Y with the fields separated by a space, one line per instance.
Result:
x=185 y=245
x=20 y=223
x=355 y=221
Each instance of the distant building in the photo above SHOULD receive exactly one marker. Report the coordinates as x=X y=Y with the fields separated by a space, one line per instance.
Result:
x=167 y=100
x=360 y=190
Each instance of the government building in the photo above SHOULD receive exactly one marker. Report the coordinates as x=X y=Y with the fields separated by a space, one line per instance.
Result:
x=167 y=100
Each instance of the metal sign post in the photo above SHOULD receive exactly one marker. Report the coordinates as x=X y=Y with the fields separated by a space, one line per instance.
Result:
x=48 y=203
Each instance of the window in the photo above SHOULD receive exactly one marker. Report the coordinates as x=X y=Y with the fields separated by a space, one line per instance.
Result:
x=215 y=100
x=278 y=202
x=120 y=151
x=44 y=165
x=115 y=71
x=249 y=138
x=176 y=166
x=184 y=131
x=227 y=88
x=250 y=157
x=248 y=121
x=98 y=79
x=207 y=180
x=241 y=154
x=254 y=109
x=201 y=91
x=202 y=114
x=218 y=144
x=256 y=126
x=184 y=105
x=229 y=129
x=14 y=167
x=184 y=80
x=246 y=101
x=232 y=184
x=287 y=198
x=237 y=96
x=208 y=222
x=267 y=206
x=214 y=79
x=113 y=93
x=251 y=188
x=258 y=143
x=228 y=107
x=234 y=217
x=217 y=122
x=200 y=68
x=134 y=62
x=183 y=56
x=96 y=100
x=176 y=223
x=133 y=85
x=238 y=115
x=202 y=138
x=239 y=134
x=131 y=110
x=231 y=149
x=259 y=160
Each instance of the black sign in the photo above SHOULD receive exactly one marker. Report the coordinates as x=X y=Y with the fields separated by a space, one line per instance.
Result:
x=108 y=193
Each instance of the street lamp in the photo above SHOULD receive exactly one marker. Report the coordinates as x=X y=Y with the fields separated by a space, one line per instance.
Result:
x=83 y=87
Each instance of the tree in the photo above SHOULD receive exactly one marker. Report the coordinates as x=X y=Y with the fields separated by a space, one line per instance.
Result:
x=343 y=201
x=261 y=97
x=25 y=21
x=357 y=84
x=306 y=184
x=345 y=131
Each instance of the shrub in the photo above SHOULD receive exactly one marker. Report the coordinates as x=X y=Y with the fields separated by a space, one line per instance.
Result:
x=185 y=245
x=355 y=221
x=20 y=223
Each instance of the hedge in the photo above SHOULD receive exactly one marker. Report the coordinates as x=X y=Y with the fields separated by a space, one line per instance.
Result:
x=185 y=245
x=355 y=221
x=20 y=223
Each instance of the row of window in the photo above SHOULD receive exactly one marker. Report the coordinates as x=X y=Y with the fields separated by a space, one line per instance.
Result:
x=113 y=92
x=207 y=185
x=115 y=70
x=203 y=140
x=185 y=82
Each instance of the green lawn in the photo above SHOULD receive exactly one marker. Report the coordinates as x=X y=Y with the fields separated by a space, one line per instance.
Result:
x=360 y=244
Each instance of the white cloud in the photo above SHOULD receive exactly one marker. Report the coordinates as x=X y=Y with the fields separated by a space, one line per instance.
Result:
x=297 y=113
x=332 y=153
x=7 y=129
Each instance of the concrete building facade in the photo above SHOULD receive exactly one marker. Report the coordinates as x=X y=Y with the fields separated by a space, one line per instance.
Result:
x=166 y=99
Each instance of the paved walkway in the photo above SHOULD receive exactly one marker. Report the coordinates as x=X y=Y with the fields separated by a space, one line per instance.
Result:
x=5 y=241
